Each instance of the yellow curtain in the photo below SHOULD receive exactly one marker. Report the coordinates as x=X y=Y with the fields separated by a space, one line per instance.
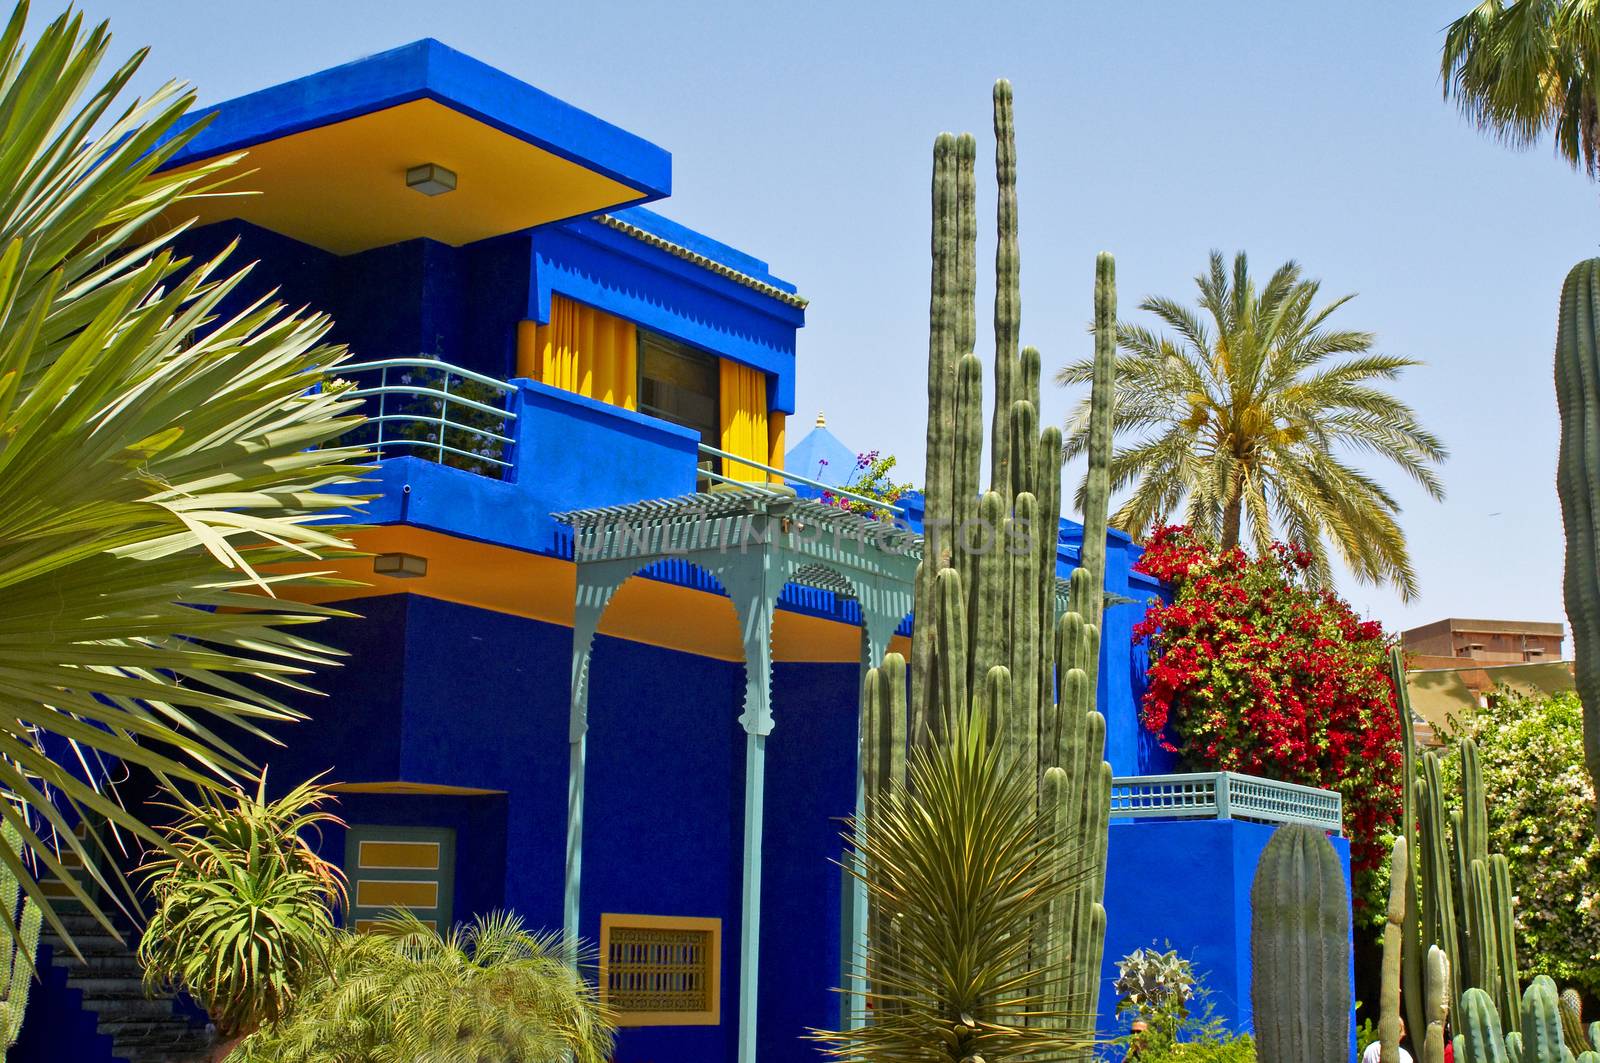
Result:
x=777 y=422
x=744 y=420
x=584 y=350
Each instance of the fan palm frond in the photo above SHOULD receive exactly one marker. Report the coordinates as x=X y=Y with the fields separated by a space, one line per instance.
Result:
x=162 y=447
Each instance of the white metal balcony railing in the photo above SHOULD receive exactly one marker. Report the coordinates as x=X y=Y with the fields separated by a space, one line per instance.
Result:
x=726 y=458
x=1225 y=795
x=431 y=409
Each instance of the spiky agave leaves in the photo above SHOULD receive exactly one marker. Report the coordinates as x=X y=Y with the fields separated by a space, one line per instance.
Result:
x=244 y=907
x=955 y=864
x=158 y=456
x=488 y=991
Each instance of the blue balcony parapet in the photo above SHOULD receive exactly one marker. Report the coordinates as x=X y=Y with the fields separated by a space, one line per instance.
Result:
x=1225 y=795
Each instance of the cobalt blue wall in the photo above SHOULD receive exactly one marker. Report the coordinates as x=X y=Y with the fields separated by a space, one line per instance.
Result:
x=1187 y=883
x=664 y=812
x=811 y=756
x=435 y=692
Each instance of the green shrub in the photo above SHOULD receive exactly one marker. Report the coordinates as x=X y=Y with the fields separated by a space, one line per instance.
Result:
x=1541 y=816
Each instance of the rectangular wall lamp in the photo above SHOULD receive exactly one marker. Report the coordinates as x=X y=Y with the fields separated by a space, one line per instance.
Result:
x=400 y=566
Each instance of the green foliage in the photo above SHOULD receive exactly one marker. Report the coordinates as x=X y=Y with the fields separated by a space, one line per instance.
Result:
x=1539 y=806
x=244 y=906
x=156 y=459
x=1235 y=425
x=486 y=993
x=1578 y=400
x=1174 y=1003
x=872 y=477
x=1300 y=950
x=16 y=954
x=959 y=837
x=1156 y=988
x=1519 y=70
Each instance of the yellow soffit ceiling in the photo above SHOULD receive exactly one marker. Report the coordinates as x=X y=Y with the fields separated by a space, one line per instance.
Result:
x=342 y=187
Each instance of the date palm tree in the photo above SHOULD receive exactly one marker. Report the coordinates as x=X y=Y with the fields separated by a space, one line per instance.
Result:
x=1241 y=424
x=159 y=455
x=1520 y=69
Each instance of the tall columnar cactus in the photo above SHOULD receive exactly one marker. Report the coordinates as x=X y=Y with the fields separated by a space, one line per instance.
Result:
x=992 y=632
x=1437 y=1006
x=1572 y=1030
x=1459 y=894
x=1483 y=1040
x=1578 y=399
x=1393 y=937
x=1300 y=951
x=16 y=953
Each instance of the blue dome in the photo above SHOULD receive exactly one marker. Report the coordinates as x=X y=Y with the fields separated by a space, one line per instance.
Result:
x=821 y=457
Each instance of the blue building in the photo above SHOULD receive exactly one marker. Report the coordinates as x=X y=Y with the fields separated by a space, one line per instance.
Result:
x=532 y=341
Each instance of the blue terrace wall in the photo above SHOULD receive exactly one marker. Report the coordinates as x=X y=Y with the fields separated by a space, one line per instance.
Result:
x=1186 y=883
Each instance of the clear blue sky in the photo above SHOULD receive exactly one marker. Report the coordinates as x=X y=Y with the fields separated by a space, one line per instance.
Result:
x=1158 y=131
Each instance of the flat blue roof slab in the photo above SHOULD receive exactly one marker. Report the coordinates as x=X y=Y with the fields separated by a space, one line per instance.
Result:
x=427 y=69
x=701 y=244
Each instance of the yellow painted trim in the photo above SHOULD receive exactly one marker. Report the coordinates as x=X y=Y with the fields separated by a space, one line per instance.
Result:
x=341 y=187
x=543 y=588
x=366 y=926
x=389 y=855
x=411 y=788
x=397 y=893
x=712 y=1017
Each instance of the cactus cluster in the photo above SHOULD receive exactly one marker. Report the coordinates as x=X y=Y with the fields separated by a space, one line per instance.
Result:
x=1577 y=373
x=990 y=635
x=1457 y=894
x=21 y=947
x=1537 y=1037
x=1300 y=950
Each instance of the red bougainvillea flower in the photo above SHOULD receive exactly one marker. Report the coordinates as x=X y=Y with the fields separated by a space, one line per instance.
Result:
x=1256 y=671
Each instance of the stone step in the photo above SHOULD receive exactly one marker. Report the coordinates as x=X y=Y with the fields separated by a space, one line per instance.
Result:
x=127 y=1009
x=125 y=966
x=108 y=987
x=88 y=945
x=143 y=1030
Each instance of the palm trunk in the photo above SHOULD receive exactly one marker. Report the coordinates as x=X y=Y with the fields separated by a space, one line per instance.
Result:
x=1233 y=510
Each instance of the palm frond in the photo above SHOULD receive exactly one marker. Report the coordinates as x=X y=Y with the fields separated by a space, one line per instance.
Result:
x=159 y=456
x=1243 y=417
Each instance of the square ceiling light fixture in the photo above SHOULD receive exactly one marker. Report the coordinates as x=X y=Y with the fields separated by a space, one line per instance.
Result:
x=400 y=566
x=431 y=179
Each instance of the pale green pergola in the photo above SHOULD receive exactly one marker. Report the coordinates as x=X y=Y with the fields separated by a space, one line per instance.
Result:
x=754 y=540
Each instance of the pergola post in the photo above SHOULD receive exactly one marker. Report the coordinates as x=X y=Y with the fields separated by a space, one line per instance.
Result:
x=596 y=585
x=754 y=581
x=754 y=541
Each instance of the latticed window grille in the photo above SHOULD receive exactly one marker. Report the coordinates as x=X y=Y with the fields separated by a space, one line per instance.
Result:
x=660 y=970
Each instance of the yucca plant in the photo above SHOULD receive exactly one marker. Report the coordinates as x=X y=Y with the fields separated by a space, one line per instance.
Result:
x=956 y=863
x=244 y=906
x=158 y=455
x=485 y=993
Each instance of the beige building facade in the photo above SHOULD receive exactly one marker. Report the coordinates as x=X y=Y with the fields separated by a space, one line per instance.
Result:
x=1490 y=642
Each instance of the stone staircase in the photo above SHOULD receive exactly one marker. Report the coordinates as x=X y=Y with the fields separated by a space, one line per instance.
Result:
x=142 y=1030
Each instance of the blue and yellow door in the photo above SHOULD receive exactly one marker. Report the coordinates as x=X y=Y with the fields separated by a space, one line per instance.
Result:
x=390 y=868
